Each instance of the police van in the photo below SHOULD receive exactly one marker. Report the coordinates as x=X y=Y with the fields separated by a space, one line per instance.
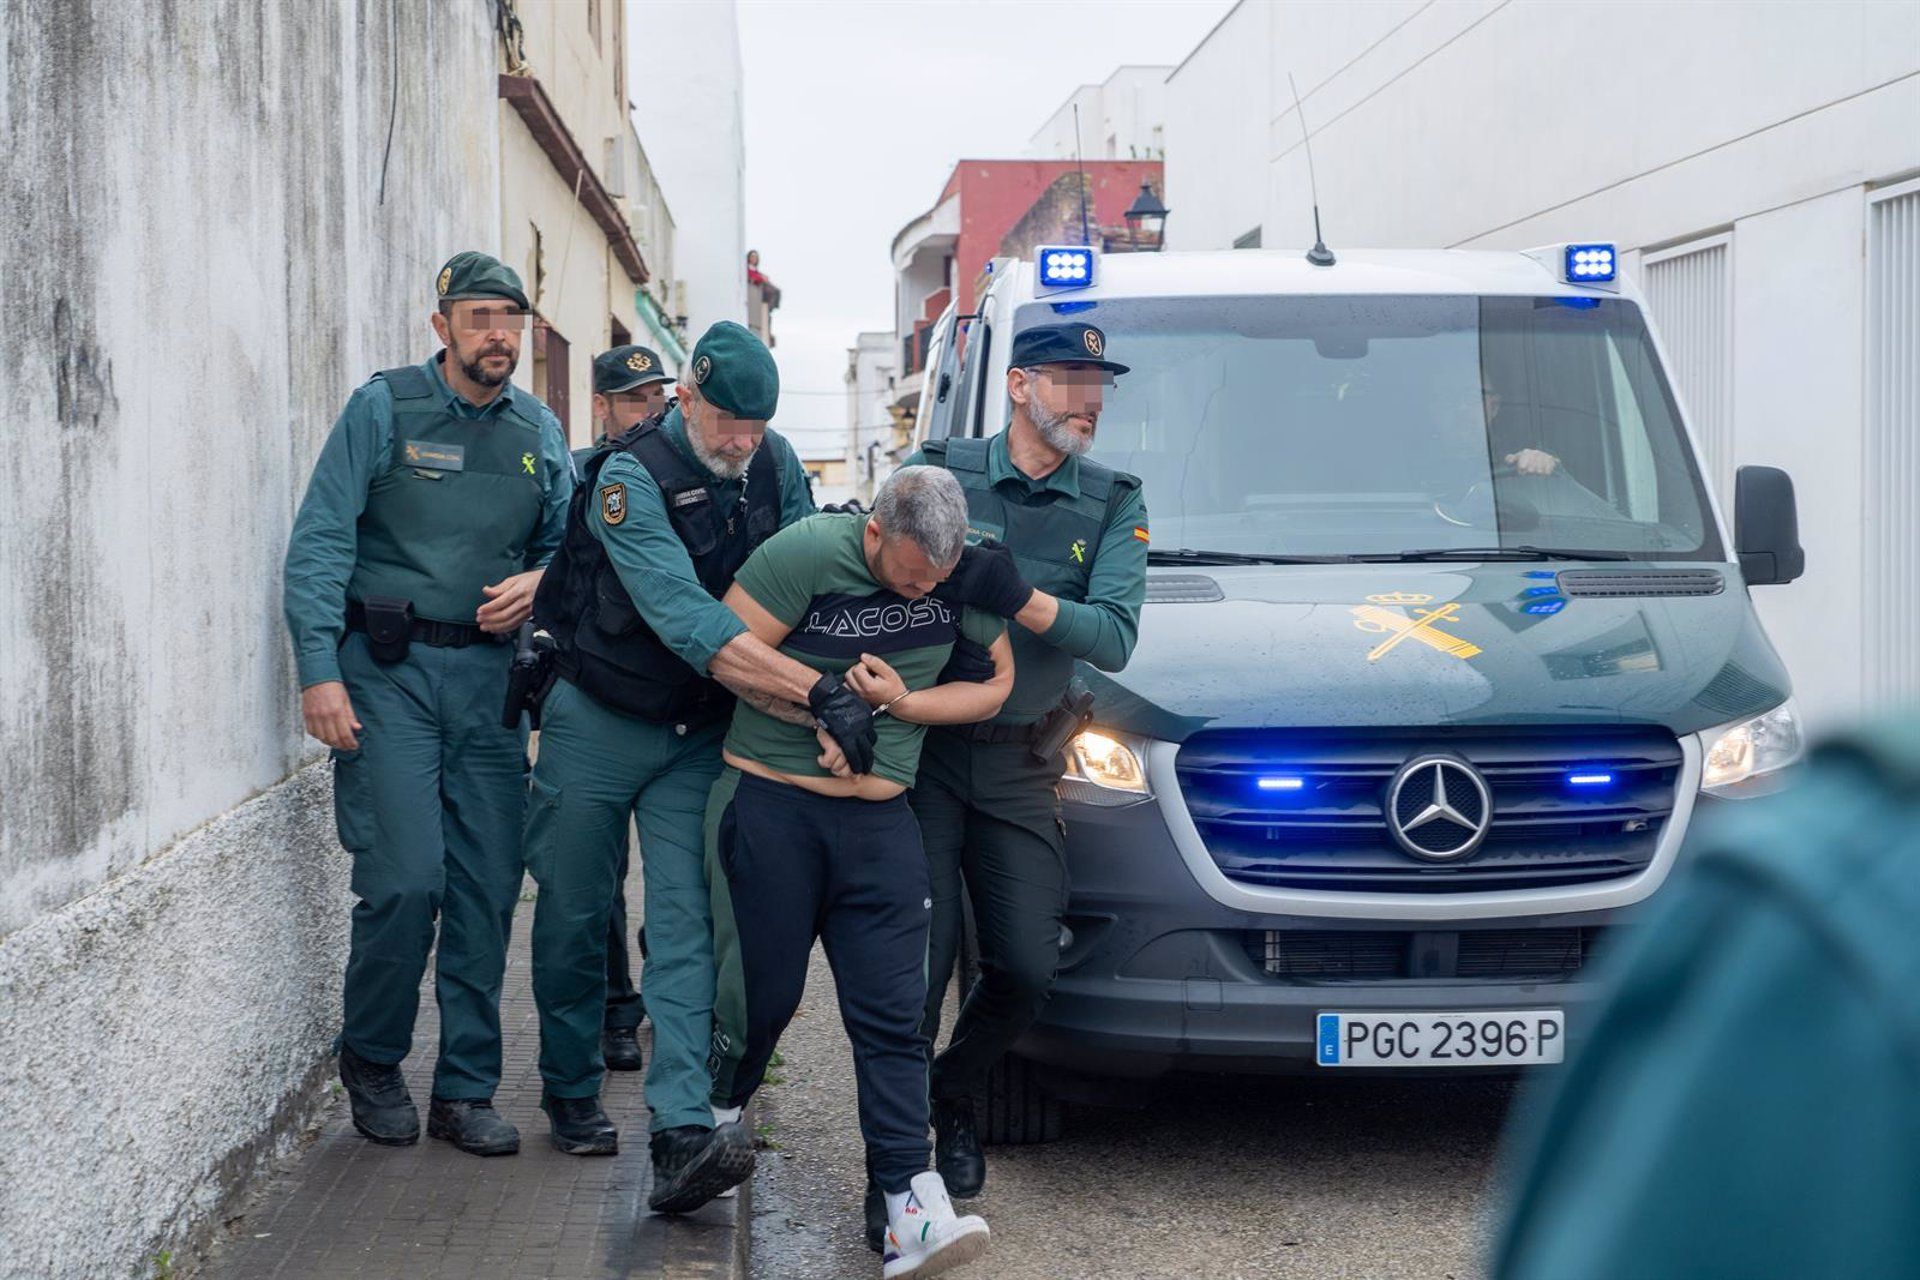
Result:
x=1446 y=644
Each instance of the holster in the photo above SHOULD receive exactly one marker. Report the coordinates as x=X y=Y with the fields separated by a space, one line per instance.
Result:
x=1059 y=726
x=389 y=627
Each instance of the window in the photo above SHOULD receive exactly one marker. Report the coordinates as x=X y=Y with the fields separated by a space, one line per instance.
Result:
x=1690 y=292
x=1891 y=452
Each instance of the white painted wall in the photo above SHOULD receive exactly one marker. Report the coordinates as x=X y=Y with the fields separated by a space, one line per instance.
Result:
x=198 y=270
x=1122 y=118
x=872 y=362
x=684 y=78
x=1473 y=124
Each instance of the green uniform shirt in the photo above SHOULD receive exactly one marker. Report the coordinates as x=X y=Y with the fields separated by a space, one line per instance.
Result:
x=322 y=552
x=813 y=577
x=1746 y=1103
x=651 y=561
x=1100 y=587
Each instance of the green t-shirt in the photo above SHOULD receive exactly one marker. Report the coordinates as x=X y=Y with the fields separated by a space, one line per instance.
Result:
x=813 y=576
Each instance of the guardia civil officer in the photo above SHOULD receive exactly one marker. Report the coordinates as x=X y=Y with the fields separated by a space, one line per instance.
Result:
x=633 y=726
x=629 y=387
x=1745 y=1103
x=440 y=493
x=1070 y=575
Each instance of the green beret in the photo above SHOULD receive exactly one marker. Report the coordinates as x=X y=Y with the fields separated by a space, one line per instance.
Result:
x=624 y=368
x=479 y=275
x=735 y=371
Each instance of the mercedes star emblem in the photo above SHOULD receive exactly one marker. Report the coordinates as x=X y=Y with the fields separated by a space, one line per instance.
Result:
x=1438 y=808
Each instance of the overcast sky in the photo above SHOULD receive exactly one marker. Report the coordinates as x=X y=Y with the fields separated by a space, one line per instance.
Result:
x=855 y=114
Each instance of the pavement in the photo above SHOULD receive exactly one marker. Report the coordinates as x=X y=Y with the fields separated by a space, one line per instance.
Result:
x=347 y=1209
x=1300 y=1177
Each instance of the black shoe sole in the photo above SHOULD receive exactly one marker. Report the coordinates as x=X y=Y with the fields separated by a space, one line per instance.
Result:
x=959 y=1189
x=726 y=1161
x=387 y=1140
x=605 y=1146
x=445 y=1134
x=638 y=1064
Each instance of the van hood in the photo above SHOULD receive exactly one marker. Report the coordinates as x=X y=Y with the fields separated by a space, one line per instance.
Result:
x=1424 y=644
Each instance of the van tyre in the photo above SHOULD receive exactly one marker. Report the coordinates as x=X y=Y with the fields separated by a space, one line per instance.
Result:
x=1013 y=1110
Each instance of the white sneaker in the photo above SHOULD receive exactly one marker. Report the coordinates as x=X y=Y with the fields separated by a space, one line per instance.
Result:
x=924 y=1238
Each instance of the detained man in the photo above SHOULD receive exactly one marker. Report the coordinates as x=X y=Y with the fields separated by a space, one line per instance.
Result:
x=803 y=843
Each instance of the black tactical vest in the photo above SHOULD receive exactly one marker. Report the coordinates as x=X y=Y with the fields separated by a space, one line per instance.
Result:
x=604 y=646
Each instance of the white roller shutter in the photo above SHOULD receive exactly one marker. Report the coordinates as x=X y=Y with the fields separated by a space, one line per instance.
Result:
x=1689 y=289
x=1890 y=468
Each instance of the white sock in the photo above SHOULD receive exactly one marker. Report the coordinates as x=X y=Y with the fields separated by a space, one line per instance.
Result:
x=725 y=1115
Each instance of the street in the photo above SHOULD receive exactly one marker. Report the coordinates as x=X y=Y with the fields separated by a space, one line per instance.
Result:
x=1305 y=1177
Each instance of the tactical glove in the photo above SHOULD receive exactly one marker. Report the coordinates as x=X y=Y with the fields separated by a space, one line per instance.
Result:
x=987 y=578
x=847 y=719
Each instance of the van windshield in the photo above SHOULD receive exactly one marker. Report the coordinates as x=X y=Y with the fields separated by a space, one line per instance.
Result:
x=1289 y=426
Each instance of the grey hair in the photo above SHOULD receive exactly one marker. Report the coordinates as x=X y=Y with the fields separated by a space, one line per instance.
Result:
x=925 y=504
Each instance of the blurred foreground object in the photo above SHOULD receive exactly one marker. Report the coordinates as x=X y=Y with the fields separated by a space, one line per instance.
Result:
x=1749 y=1103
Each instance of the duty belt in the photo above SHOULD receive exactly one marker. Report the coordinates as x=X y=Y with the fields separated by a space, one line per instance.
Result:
x=990 y=732
x=440 y=635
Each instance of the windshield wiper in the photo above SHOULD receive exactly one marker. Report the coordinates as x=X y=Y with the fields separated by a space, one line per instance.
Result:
x=1521 y=552
x=1186 y=555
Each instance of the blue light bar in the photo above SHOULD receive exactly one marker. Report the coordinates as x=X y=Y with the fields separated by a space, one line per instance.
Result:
x=1281 y=784
x=1066 y=266
x=1589 y=264
x=1589 y=779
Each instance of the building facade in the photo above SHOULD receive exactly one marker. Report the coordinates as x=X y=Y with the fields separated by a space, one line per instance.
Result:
x=684 y=79
x=173 y=900
x=1757 y=162
x=990 y=208
x=1122 y=118
x=875 y=433
x=570 y=165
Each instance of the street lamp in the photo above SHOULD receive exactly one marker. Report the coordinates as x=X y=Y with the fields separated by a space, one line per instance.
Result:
x=1146 y=221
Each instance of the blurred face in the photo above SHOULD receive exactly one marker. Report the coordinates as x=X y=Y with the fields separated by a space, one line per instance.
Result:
x=483 y=337
x=616 y=413
x=899 y=565
x=1063 y=401
x=724 y=443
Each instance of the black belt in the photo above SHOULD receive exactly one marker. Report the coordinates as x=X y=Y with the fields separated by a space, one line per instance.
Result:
x=440 y=635
x=990 y=732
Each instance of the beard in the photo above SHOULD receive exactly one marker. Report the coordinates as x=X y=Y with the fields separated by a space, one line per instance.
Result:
x=478 y=373
x=1055 y=430
x=720 y=465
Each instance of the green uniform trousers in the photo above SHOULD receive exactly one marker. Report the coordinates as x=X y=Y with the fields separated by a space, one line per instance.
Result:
x=430 y=807
x=596 y=769
x=988 y=813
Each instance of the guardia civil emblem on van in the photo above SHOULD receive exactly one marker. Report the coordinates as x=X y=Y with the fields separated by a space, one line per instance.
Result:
x=1381 y=615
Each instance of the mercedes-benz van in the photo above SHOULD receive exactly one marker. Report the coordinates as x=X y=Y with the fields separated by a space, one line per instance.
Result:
x=1446 y=644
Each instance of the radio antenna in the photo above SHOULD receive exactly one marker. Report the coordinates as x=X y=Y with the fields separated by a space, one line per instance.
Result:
x=1081 y=165
x=1319 y=255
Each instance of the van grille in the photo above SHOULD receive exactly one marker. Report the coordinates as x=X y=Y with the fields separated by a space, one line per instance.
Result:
x=1330 y=833
x=1306 y=955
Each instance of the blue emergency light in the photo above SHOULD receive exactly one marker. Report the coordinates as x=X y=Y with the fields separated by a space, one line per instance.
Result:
x=1064 y=266
x=1589 y=264
x=1280 y=784
x=1596 y=778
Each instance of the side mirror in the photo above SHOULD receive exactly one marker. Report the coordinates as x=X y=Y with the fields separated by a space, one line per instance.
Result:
x=1766 y=526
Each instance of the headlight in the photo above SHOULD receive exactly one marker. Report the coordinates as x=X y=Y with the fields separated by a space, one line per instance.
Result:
x=1747 y=758
x=1105 y=769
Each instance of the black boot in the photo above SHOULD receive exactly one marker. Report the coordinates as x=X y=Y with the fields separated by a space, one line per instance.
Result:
x=377 y=1094
x=956 y=1148
x=580 y=1127
x=692 y=1165
x=876 y=1207
x=620 y=1050
x=472 y=1125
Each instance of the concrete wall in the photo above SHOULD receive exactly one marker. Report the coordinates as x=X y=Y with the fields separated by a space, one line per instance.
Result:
x=1483 y=124
x=684 y=80
x=198 y=269
x=1122 y=118
x=871 y=364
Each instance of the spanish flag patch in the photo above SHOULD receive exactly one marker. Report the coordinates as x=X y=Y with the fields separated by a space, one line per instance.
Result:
x=1140 y=532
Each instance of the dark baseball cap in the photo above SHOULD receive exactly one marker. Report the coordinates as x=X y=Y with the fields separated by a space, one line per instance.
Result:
x=624 y=368
x=1063 y=344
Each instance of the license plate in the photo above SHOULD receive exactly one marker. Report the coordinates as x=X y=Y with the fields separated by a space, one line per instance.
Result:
x=1504 y=1038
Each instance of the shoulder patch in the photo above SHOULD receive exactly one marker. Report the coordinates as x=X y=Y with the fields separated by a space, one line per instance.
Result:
x=613 y=503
